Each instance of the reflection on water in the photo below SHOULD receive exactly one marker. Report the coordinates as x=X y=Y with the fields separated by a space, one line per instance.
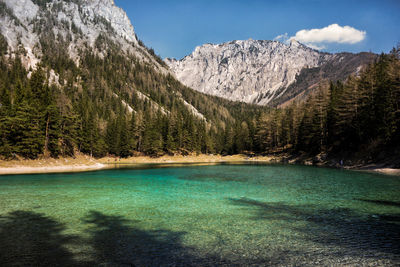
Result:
x=224 y=215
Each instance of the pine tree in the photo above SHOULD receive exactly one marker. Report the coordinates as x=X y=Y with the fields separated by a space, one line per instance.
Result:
x=6 y=131
x=320 y=119
x=170 y=140
x=112 y=137
x=52 y=131
x=29 y=139
x=125 y=149
x=69 y=127
x=133 y=134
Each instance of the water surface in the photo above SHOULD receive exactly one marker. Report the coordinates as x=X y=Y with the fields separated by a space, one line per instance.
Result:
x=217 y=215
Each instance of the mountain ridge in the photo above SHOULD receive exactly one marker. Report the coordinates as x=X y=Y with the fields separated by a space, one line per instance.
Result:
x=80 y=23
x=252 y=71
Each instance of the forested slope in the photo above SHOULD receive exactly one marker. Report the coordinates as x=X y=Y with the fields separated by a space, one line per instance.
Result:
x=112 y=105
x=356 y=119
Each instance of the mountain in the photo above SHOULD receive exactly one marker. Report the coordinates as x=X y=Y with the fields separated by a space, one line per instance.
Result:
x=262 y=72
x=75 y=23
x=74 y=77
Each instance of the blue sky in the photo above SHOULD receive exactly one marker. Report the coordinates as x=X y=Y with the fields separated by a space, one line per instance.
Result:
x=175 y=27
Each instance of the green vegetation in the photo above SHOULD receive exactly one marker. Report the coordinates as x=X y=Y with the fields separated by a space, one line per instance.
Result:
x=3 y=45
x=339 y=69
x=361 y=115
x=113 y=104
x=85 y=108
x=41 y=3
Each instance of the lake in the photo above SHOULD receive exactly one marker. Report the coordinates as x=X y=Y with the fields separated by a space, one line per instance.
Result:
x=213 y=215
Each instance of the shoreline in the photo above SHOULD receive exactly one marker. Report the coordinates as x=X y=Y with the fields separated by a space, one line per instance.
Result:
x=84 y=163
x=51 y=169
x=50 y=165
x=386 y=171
x=191 y=159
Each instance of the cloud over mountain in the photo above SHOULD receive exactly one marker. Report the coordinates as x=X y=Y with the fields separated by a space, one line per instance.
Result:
x=333 y=33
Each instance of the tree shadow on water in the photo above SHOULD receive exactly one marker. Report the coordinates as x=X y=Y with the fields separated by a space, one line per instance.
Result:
x=355 y=234
x=381 y=202
x=32 y=239
x=117 y=242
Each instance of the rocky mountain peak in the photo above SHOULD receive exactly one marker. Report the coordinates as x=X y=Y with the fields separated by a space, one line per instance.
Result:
x=262 y=71
x=24 y=22
x=24 y=9
x=117 y=17
x=251 y=71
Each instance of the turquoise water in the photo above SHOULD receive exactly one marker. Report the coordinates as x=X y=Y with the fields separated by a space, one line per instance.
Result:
x=216 y=215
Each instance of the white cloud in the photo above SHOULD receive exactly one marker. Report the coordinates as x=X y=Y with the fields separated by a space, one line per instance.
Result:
x=333 y=33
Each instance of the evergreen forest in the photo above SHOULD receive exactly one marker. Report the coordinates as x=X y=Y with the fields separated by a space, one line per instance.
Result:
x=114 y=104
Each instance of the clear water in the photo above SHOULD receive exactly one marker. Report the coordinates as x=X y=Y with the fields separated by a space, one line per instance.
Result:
x=219 y=215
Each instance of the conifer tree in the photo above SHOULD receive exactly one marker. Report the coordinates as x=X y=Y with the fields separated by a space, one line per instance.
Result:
x=29 y=139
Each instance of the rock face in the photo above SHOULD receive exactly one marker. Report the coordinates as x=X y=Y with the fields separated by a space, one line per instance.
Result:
x=80 y=22
x=81 y=13
x=117 y=18
x=250 y=71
